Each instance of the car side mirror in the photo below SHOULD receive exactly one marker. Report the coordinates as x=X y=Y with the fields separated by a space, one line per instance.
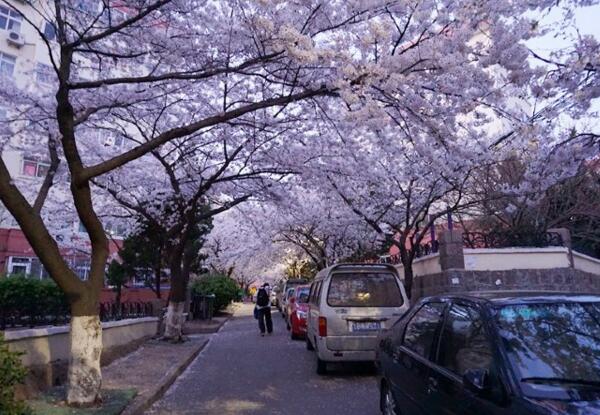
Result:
x=477 y=380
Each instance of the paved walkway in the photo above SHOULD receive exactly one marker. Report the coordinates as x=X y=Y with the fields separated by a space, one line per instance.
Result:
x=151 y=369
x=239 y=372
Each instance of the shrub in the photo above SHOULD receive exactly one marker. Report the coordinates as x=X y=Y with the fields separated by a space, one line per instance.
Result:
x=224 y=288
x=32 y=298
x=12 y=373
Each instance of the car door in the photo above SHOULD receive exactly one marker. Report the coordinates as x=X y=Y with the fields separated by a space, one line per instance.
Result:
x=464 y=344
x=313 y=314
x=411 y=354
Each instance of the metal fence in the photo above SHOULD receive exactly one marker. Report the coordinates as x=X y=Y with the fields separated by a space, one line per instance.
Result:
x=108 y=312
x=496 y=239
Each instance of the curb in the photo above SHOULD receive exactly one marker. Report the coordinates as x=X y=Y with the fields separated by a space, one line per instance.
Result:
x=214 y=329
x=142 y=403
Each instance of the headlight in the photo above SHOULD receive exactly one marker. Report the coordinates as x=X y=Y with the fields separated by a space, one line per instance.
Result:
x=301 y=314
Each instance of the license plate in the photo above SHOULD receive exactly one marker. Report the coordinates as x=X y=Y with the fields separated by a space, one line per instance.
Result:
x=365 y=326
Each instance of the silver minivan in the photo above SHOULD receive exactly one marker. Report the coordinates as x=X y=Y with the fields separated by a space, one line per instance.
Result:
x=349 y=305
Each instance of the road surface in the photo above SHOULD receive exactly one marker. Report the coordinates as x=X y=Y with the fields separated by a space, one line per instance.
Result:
x=240 y=372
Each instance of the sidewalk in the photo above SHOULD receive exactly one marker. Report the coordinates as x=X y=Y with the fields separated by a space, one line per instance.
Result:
x=151 y=370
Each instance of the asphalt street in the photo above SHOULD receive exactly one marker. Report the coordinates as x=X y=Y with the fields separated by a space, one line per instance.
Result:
x=240 y=372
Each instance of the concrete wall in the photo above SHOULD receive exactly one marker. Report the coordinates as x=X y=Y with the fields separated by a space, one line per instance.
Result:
x=499 y=259
x=429 y=264
x=555 y=279
x=586 y=263
x=47 y=349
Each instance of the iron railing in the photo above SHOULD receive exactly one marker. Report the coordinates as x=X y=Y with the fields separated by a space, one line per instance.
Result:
x=512 y=239
x=108 y=312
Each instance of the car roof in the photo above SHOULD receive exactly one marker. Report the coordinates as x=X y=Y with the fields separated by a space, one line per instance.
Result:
x=296 y=281
x=356 y=267
x=519 y=297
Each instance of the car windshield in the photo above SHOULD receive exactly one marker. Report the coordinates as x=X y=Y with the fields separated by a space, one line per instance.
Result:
x=373 y=289
x=302 y=294
x=552 y=343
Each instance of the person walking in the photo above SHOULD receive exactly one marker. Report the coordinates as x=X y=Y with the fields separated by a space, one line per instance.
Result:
x=263 y=309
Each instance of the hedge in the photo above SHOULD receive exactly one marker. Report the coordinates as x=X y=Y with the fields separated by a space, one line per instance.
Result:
x=224 y=288
x=32 y=299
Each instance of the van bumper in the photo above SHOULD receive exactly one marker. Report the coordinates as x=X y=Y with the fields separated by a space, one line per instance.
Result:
x=328 y=355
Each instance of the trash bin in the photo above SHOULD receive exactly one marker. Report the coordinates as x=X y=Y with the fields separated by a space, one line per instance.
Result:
x=203 y=306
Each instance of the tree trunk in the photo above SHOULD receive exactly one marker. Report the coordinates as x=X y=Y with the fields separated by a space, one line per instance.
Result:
x=408 y=278
x=174 y=319
x=118 y=298
x=84 y=376
x=157 y=275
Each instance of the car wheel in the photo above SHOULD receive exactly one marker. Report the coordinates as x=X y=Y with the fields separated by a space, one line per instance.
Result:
x=294 y=336
x=287 y=326
x=321 y=367
x=388 y=403
x=309 y=345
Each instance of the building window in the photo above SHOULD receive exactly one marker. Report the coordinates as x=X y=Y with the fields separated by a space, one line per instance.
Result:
x=10 y=19
x=19 y=265
x=111 y=140
x=7 y=64
x=114 y=228
x=117 y=16
x=44 y=74
x=82 y=268
x=49 y=31
x=33 y=168
x=88 y=6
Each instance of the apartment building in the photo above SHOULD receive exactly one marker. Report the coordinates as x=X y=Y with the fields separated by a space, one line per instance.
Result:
x=25 y=61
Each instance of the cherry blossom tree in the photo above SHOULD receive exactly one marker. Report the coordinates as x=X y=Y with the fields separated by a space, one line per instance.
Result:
x=436 y=72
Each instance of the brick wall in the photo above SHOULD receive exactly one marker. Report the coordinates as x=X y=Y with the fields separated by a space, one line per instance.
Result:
x=460 y=280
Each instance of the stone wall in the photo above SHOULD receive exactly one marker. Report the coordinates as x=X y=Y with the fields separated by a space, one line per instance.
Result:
x=47 y=349
x=460 y=280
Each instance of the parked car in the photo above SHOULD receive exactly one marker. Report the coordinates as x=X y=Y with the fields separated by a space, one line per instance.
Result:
x=284 y=288
x=297 y=312
x=273 y=297
x=494 y=353
x=349 y=305
x=284 y=302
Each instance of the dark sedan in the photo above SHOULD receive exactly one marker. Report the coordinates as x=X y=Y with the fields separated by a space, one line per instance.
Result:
x=493 y=353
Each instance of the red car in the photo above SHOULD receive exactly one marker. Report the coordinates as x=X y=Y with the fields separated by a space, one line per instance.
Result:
x=297 y=312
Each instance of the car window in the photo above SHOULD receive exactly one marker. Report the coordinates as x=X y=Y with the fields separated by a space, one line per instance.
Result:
x=318 y=293
x=464 y=343
x=420 y=330
x=548 y=341
x=302 y=295
x=365 y=289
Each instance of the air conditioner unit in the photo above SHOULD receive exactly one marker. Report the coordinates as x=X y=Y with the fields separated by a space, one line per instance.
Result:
x=16 y=39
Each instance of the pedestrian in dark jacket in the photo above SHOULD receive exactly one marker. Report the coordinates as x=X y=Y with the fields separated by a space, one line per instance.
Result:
x=263 y=308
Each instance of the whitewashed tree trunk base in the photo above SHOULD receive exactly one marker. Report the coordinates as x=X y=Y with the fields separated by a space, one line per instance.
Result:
x=174 y=321
x=84 y=377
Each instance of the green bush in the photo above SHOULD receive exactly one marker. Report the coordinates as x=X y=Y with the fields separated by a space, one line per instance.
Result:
x=224 y=288
x=30 y=297
x=12 y=373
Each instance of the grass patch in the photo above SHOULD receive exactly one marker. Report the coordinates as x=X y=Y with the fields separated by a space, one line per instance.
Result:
x=52 y=402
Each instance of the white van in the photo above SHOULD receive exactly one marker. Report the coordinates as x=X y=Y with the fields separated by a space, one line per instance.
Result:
x=349 y=305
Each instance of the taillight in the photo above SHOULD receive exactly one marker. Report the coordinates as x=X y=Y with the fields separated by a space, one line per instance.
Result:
x=322 y=327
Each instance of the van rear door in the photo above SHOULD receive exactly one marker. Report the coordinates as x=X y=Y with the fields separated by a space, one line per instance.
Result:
x=362 y=304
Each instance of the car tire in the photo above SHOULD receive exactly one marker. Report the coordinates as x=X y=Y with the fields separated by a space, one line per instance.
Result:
x=321 y=367
x=287 y=326
x=294 y=336
x=388 y=404
x=309 y=345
